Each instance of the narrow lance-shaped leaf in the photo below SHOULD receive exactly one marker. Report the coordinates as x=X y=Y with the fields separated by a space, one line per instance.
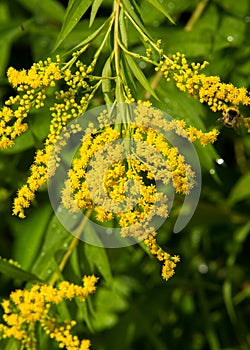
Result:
x=106 y=83
x=92 y=36
x=160 y=7
x=15 y=272
x=96 y=255
x=131 y=12
x=123 y=28
x=94 y=9
x=72 y=17
x=140 y=76
x=241 y=189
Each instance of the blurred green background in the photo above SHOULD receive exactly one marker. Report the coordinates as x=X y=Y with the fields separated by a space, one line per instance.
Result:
x=206 y=305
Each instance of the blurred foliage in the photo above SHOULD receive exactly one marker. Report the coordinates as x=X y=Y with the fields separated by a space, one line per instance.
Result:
x=206 y=304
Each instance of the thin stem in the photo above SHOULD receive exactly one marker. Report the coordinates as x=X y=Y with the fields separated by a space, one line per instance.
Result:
x=75 y=57
x=196 y=15
x=69 y=251
x=136 y=55
x=116 y=37
x=105 y=39
x=147 y=39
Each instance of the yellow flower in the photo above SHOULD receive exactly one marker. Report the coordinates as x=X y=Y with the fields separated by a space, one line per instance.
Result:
x=169 y=262
x=26 y=308
x=208 y=89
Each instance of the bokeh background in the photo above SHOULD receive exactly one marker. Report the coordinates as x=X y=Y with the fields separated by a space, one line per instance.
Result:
x=206 y=305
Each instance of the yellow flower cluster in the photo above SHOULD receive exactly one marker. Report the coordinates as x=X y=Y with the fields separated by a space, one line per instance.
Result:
x=32 y=87
x=25 y=308
x=169 y=262
x=208 y=89
x=119 y=184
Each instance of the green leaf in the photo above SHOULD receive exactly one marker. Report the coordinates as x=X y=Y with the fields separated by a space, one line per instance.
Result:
x=21 y=143
x=139 y=75
x=29 y=235
x=51 y=8
x=40 y=124
x=127 y=75
x=74 y=12
x=161 y=8
x=106 y=83
x=12 y=344
x=109 y=301
x=233 y=7
x=133 y=14
x=231 y=33
x=241 y=190
x=90 y=35
x=54 y=247
x=83 y=314
x=15 y=272
x=123 y=28
x=94 y=9
x=97 y=256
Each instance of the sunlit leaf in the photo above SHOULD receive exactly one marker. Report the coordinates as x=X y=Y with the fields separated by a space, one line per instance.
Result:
x=160 y=6
x=106 y=83
x=132 y=13
x=89 y=33
x=140 y=76
x=95 y=6
x=73 y=15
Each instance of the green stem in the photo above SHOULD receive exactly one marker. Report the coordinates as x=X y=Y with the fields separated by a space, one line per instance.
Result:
x=146 y=38
x=116 y=37
x=136 y=55
x=196 y=15
x=74 y=58
x=70 y=249
x=105 y=39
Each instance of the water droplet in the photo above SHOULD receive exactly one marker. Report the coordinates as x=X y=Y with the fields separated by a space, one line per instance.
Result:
x=219 y=161
x=109 y=231
x=212 y=171
x=65 y=245
x=74 y=216
x=42 y=253
x=59 y=209
x=142 y=64
x=230 y=38
x=170 y=5
x=49 y=271
x=203 y=268
x=247 y=19
x=166 y=99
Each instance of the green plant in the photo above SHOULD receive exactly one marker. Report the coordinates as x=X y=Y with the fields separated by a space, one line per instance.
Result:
x=110 y=54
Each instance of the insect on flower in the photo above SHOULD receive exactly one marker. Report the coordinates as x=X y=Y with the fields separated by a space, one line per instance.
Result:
x=231 y=118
